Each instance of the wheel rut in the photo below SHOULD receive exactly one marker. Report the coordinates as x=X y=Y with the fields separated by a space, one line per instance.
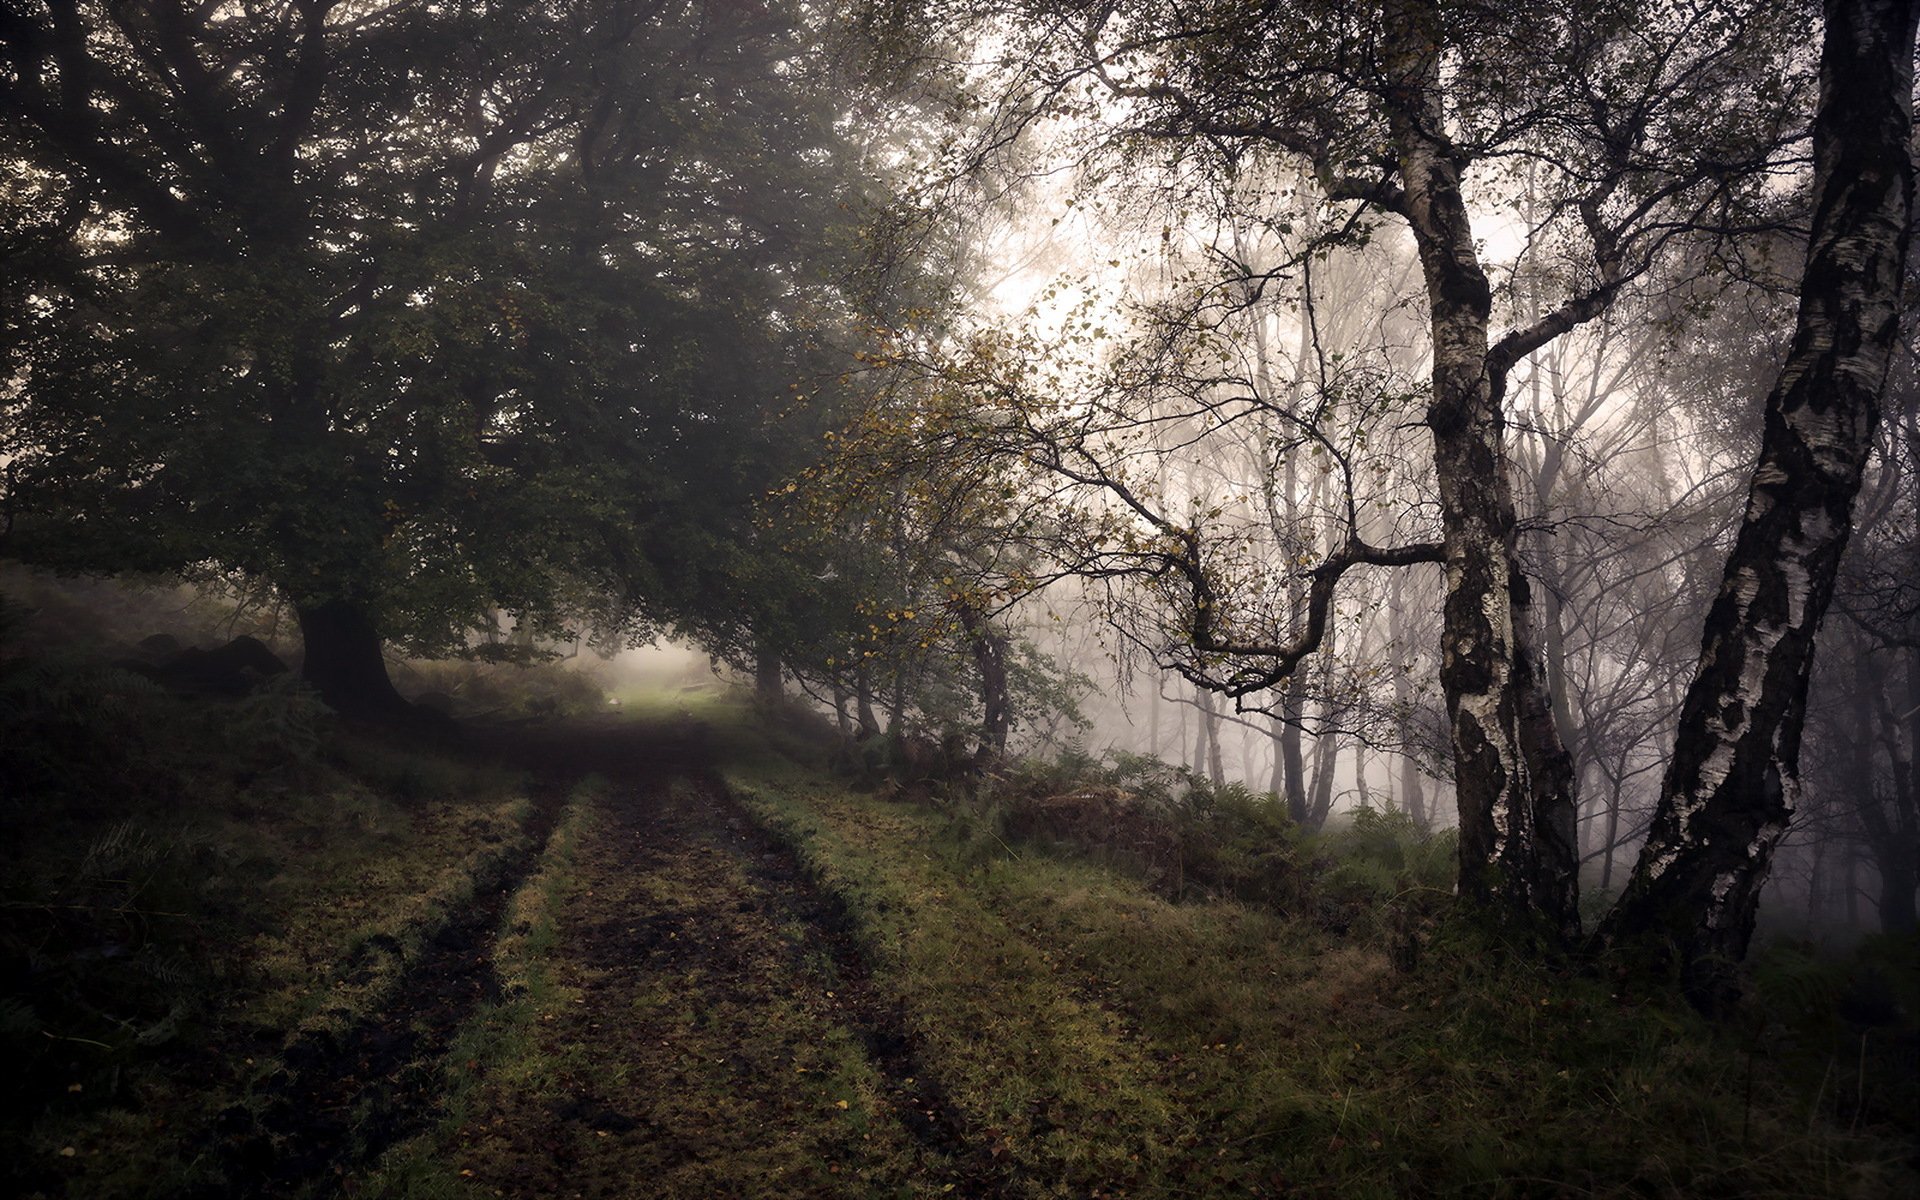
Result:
x=339 y=1100
x=714 y=1027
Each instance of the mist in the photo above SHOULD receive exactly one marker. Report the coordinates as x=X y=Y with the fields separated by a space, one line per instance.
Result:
x=964 y=597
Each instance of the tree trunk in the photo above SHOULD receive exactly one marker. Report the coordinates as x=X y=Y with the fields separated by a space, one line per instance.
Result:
x=840 y=709
x=1153 y=722
x=989 y=647
x=1197 y=759
x=1413 y=795
x=1210 y=737
x=344 y=662
x=1513 y=779
x=1326 y=752
x=766 y=675
x=1290 y=756
x=1816 y=879
x=1889 y=819
x=1900 y=867
x=1898 y=882
x=897 y=704
x=1852 y=884
x=863 y=703
x=1613 y=832
x=1277 y=781
x=1730 y=788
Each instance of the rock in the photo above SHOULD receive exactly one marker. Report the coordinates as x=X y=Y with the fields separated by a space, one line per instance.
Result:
x=230 y=670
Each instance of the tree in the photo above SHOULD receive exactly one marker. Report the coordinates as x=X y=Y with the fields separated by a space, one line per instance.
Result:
x=1644 y=126
x=1731 y=785
x=413 y=312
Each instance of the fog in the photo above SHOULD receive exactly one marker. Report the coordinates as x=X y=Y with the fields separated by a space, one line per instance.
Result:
x=969 y=414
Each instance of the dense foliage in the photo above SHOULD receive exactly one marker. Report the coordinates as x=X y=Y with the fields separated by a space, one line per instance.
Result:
x=416 y=313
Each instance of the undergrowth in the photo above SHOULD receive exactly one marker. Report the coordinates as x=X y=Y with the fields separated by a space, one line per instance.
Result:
x=1372 y=873
x=1132 y=981
x=184 y=883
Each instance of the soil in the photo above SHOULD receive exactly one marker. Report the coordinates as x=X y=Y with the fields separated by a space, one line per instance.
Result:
x=339 y=1100
x=724 y=1036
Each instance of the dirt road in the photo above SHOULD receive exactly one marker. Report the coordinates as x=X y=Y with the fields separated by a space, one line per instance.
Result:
x=704 y=1025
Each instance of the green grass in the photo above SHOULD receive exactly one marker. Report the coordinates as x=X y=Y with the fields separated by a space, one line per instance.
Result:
x=1108 y=1039
x=197 y=885
x=724 y=1066
x=499 y=1047
x=1088 y=1028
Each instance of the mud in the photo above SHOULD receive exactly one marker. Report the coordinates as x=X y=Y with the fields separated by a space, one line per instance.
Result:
x=709 y=969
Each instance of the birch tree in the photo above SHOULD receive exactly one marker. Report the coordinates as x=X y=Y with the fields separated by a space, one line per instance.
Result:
x=1731 y=785
x=1646 y=124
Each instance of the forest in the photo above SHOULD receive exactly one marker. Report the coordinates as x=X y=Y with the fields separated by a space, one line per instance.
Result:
x=993 y=598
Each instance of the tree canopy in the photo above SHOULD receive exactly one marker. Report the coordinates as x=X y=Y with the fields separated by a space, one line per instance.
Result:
x=412 y=312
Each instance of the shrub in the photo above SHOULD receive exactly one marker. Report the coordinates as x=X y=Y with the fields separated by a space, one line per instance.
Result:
x=106 y=952
x=1186 y=837
x=512 y=689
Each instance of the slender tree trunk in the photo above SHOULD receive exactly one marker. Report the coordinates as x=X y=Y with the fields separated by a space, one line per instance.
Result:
x=1613 y=834
x=344 y=661
x=863 y=703
x=840 y=709
x=1292 y=756
x=1412 y=793
x=1186 y=759
x=897 y=705
x=1210 y=738
x=1326 y=752
x=766 y=674
x=1816 y=878
x=1512 y=778
x=1277 y=781
x=1153 y=721
x=1900 y=866
x=1731 y=785
x=989 y=647
x=1888 y=817
x=1899 y=879
x=1852 y=884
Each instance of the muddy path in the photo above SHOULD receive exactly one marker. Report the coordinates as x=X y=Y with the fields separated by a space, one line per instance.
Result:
x=714 y=1030
x=711 y=1028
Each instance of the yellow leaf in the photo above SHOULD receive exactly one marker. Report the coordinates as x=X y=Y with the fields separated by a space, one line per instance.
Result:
x=839 y=1103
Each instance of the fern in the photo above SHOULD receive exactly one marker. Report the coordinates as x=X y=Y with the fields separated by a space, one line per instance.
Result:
x=17 y=1018
x=117 y=854
x=1794 y=983
x=167 y=967
x=283 y=717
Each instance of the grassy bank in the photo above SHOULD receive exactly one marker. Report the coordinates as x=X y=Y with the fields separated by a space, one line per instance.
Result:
x=1103 y=1038
x=196 y=891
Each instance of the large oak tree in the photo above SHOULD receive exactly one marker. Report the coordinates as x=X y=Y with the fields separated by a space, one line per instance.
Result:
x=413 y=312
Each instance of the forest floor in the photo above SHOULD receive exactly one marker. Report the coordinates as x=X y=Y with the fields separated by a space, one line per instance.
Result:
x=698 y=964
